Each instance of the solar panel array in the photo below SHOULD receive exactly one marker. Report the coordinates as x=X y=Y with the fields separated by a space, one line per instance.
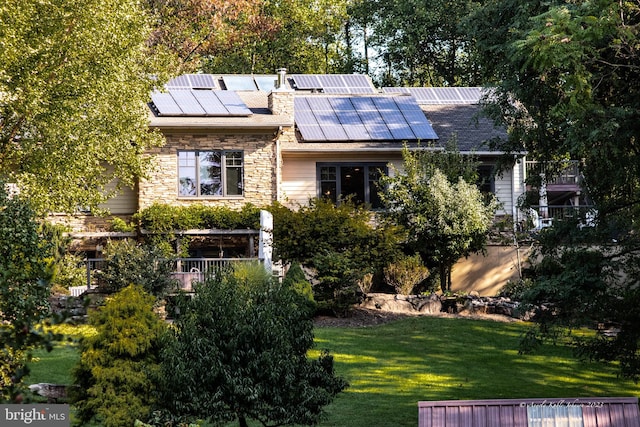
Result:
x=333 y=83
x=187 y=102
x=321 y=118
x=441 y=95
x=192 y=81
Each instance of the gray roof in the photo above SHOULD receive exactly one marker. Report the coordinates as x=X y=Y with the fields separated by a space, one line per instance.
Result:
x=462 y=120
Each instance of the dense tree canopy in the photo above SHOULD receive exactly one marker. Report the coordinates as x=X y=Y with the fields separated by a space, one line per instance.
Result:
x=565 y=73
x=74 y=81
x=25 y=273
x=420 y=43
x=566 y=78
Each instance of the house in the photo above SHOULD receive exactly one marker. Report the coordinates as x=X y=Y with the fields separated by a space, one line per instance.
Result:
x=237 y=139
x=244 y=138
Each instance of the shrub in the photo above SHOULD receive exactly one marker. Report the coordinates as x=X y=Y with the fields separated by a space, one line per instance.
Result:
x=119 y=365
x=126 y=263
x=70 y=271
x=296 y=280
x=341 y=243
x=240 y=351
x=406 y=273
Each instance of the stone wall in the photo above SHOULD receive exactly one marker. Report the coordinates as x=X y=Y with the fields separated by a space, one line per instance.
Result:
x=259 y=169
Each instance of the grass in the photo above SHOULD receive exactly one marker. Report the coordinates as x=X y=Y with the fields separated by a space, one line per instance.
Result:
x=393 y=366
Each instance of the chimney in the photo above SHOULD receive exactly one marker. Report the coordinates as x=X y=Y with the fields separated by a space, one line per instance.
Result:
x=280 y=100
x=281 y=82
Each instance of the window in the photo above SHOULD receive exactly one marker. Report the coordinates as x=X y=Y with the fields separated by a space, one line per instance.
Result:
x=337 y=181
x=486 y=178
x=210 y=173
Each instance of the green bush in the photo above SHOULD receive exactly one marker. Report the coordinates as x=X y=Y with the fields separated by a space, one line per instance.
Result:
x=119 y=367
x=343 y=244
x=406 y=273
x=161 y=218
x=127 y=263
x=296 y=280
x=240 y=351
x=70 y=271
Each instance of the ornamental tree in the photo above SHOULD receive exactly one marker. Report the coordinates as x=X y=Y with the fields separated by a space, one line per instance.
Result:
x=74 y=82
x=119 y=364
x=445 y=218
x=240 y=351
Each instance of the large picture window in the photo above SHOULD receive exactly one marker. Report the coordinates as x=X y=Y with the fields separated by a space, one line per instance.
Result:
x=337 y=181
x=210 y=173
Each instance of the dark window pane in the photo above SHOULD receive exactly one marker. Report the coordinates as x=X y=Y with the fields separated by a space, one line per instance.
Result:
x=233 y=161
x=329 y=190
x=352 y=183
x=374 y=189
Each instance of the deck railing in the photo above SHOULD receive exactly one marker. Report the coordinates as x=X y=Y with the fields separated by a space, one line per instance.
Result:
x=186 y=270
x=544 y=216
x=561 y=173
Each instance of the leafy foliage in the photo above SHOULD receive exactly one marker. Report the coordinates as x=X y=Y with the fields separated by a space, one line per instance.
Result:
x=128 y=263
x=445 y=217
x=421 y=43
x=239 y=351
x=406 y=273
x=341 y=243
x=64 y=68
x=119 y=364
x=25 y=273
x=160 y=218
x=566 y=74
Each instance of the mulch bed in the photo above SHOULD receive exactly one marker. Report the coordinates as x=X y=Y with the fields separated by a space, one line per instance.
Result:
x=359 y=317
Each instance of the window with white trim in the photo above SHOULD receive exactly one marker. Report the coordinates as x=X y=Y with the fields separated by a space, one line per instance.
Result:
x=337 y=181
x=210 y=173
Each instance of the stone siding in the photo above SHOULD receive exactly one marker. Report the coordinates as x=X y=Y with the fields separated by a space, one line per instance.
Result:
x=259 y=169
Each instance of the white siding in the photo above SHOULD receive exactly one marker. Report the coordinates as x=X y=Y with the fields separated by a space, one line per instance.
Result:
x=125 y=203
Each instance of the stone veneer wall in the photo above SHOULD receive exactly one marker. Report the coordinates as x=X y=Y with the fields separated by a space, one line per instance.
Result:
x=259 y=169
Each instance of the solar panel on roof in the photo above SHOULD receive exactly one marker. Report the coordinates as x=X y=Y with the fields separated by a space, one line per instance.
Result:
x=199 y=103
x=311 y=133
x=360 y=119
x=266 y=83
x=333 y=132
x=187 y=102
x=210 y=103
x=192 y=81
x=358 y=83
x=423 y=132
x=303 y=81
x=202 y=81
x=239 y=83
x=233 y=103
x=164 y=104
x=331 y=80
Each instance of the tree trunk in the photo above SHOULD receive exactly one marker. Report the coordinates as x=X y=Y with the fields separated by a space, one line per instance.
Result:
x=243 y=421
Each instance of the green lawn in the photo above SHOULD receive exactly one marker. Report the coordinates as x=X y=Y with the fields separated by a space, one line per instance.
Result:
x=391 y=367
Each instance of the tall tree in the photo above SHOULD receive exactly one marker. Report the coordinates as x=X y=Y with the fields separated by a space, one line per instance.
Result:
x=566 y=76
x=304 y=36
x=424 y=43
x=74 y=81
x=445 y=216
